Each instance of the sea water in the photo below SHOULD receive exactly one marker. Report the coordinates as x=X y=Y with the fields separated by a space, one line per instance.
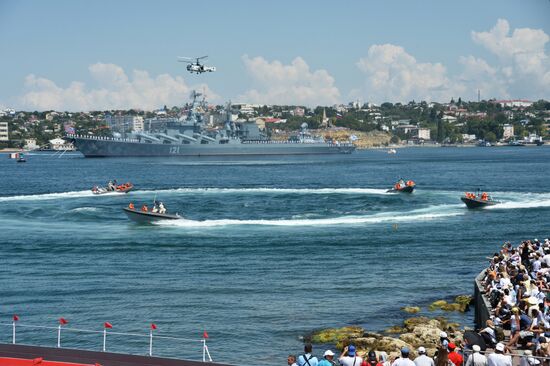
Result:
x=267 y=250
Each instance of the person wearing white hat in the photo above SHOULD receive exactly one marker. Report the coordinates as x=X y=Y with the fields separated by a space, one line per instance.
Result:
x=422 y=359
x=499 y=358
x=476 y=359
x=328 y=359
x=527 y=359
x=444 y=339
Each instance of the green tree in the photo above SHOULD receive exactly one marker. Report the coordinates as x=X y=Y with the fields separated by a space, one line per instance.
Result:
x=490 y=136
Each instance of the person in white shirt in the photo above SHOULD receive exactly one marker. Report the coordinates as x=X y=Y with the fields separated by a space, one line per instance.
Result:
x=404 y=359
x=527 y=359
x=499 y=358
x=349 y=357
x=476 y=359
x=422 y=359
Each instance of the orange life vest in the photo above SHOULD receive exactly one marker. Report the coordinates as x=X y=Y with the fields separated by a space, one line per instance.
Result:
x=144 y=208
x=131 y=206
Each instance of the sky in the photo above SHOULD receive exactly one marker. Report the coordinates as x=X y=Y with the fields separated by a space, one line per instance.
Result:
x=80 y=55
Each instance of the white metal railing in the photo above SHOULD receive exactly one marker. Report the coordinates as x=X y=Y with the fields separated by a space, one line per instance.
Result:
x=62 y=328
x=103 y=138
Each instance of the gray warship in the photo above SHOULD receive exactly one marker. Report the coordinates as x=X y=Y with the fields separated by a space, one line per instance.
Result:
x=189 y=135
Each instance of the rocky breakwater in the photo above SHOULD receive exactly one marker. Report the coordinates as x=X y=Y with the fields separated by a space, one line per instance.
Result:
x=413 y=333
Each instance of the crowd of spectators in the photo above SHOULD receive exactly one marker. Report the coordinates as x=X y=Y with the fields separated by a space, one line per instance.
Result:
x=517 y=284
x=447 y=355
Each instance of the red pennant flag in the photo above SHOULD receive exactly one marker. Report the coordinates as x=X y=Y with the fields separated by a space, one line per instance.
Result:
x=63 y=321
x=107 y=325
x=204 y=334
x=15 y=317
x=153 y=326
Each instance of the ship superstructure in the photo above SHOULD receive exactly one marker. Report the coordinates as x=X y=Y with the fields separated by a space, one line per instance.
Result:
x=189 y=135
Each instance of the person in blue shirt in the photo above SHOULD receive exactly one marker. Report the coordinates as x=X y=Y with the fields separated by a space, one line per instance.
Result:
x=307 y=359
x=328 y=359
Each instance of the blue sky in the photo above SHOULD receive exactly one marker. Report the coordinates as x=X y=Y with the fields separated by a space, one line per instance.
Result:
x=82 y=54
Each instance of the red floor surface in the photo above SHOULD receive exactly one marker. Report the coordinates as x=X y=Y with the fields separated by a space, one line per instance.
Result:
x=6 y=361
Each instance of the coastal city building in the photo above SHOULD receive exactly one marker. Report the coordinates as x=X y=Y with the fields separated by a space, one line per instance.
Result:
x=137 y=124
x=299 y=112
x=423 y=134
x=124 y=123
x=244 y=108
x=468 y=137
x=508 y=131
x=4 y=133
x=521 y=103
x=30 y=144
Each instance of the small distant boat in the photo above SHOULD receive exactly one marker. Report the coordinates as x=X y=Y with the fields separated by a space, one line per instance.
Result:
x=403 y=187
x=484 y=143
x=479 y=200
x=18 y=157
x=392 y=151
x=121 y=188
x=146 y=217
x=516 y=143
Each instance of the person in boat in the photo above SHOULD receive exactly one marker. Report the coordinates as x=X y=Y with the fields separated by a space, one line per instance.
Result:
x=162 y=209
x=131 y=206
x=484 y=196
x=110 y=186
x=410 y=183
x=155 y=207
x=399 y=184
x=144 y=208
x=95 y=189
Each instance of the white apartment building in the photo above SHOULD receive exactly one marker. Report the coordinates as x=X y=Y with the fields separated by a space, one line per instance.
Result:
x=30 y=144
x=124 y=123
x=137 y=124
x=4 y=133
x=423 y=133
x=508 y=132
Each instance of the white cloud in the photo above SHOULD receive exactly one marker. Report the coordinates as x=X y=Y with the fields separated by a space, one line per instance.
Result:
x=521 y=41
x=115 y=91
x=392 y=74
x=478 y=74
x=524 y=64
x=276 y=83
x=522 y=70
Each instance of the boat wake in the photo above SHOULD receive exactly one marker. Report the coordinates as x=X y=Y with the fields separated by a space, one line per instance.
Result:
x=47 y=196
x=425 y=214
x=520 y=201
x=372 y=191
x=85 y=209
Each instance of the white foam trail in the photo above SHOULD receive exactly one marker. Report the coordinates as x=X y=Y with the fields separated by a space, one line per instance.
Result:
x=60 y=195
x=47 y=196
x=85 y=209
x=424 y=214
x=520 y=204
x=274 y=190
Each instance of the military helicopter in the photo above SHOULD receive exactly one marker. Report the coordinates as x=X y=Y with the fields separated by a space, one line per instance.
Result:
x=196 y=66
